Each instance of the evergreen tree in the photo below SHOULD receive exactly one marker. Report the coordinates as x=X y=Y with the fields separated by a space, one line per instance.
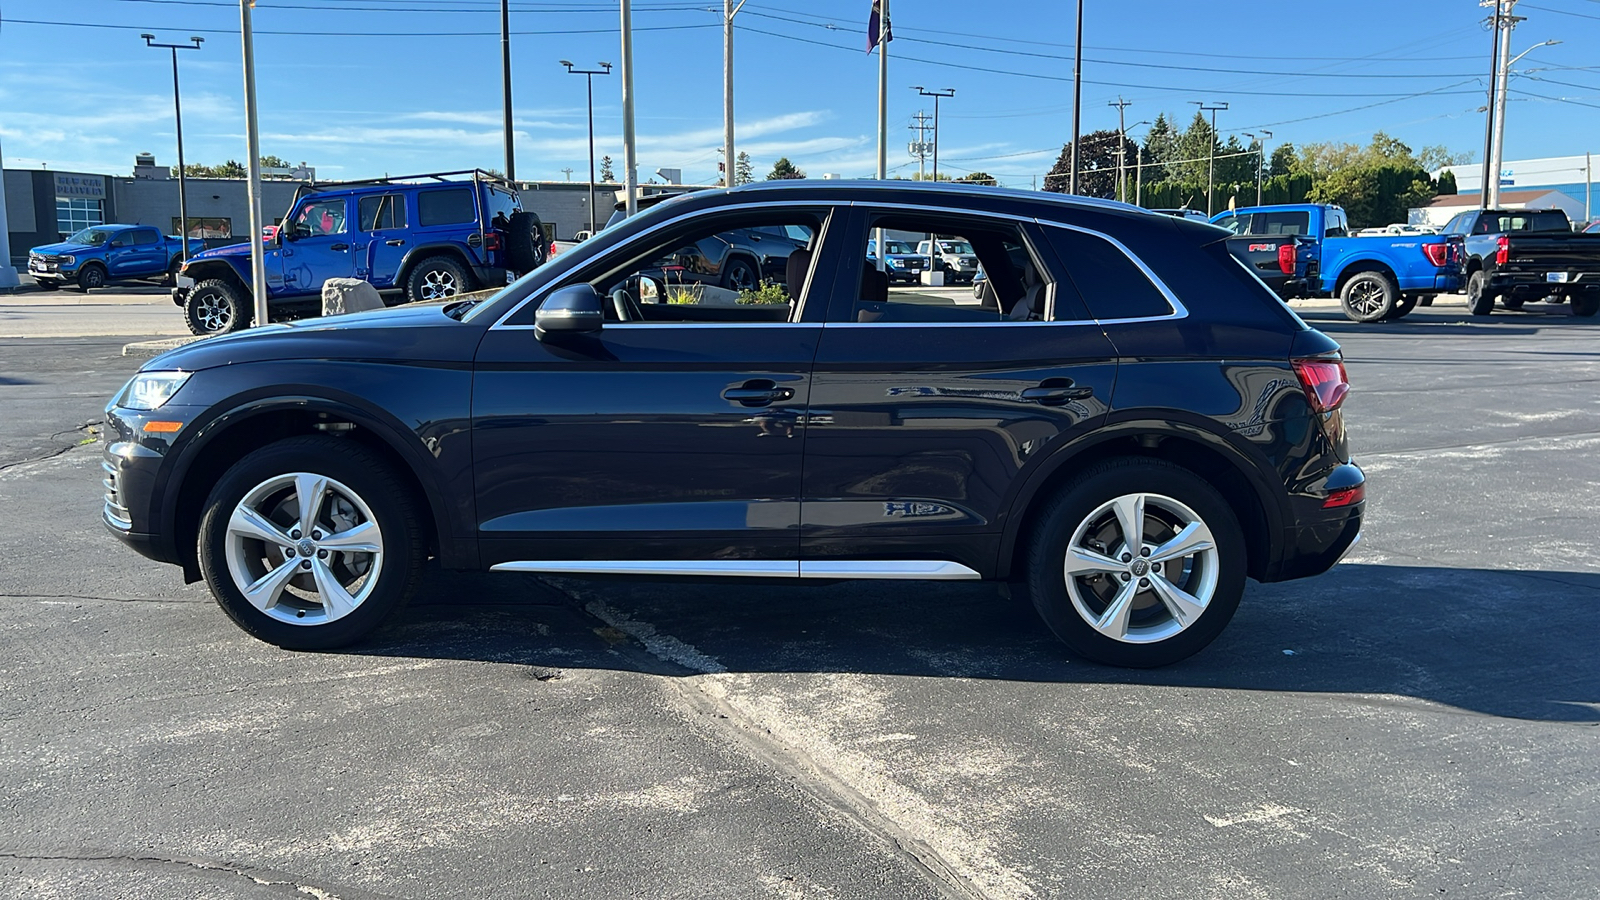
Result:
x=1195 y=146
x=783 y=170
x=1447 y=182
x=1283 y=161
x=606 y=174
x=743 y=172
x=1160 y=146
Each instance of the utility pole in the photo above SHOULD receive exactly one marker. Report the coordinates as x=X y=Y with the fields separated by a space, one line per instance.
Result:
x=1260 y=163
x=1489 y=172
x=728 y=157
x=884 y=36
x=1588 y=189
x=8 y=273
x=567 y=172
x=1211 y=162
x=1077 y=103
x=630 y=160
x=589 y=74
x=252 y=137
x=1500 y=115
x=920 y=147
x=177 y=112
x=1122 y=144
x=505 y=87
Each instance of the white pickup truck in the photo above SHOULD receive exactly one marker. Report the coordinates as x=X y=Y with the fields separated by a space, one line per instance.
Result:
x=954 y=258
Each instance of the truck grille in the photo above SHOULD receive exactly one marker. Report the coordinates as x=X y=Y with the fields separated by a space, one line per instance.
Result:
x=116 y=513
x=45 y=257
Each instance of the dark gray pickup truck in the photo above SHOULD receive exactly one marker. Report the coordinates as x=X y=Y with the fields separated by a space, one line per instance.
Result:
x=1517 y=255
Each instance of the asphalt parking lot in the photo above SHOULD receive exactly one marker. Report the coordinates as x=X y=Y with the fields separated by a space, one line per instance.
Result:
x=1419 y=722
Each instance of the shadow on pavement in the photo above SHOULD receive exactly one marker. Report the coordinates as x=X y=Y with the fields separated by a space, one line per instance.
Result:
x=1518 y=644
x=1500 y=324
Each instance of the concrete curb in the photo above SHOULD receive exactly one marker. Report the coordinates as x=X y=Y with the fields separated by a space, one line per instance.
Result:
x=146 y=349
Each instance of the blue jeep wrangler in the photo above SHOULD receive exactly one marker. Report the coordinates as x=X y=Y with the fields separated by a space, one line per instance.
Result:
x=415 y=238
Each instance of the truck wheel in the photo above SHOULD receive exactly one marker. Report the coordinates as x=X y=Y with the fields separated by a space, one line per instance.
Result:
x=46 y=284
x=1369 y=297
x=1479 y=299
x=1425 y=299
x=172 y=273
x=1513 y=303
x=91 y=276
x=215 y=307
x=1585 y=305
x=1403 y=307
x=525 y=243
x=739 y=275
x=436 y=278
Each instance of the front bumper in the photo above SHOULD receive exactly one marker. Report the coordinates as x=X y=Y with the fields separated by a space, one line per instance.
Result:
x=132 y=475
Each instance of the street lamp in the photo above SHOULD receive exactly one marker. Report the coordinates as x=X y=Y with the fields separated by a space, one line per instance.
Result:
x=1492 y=189
x=936 y=95
x=177 y=109
x=1261 y=159
x=1211 y=165
x=588 y=74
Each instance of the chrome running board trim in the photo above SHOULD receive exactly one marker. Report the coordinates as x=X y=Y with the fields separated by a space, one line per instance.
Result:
x=893 y=569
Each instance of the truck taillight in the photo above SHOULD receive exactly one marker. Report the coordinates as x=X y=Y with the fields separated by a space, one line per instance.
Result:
x=1324 y=380
x=1504 y=252
x=491 y=241
x=1286 y=258
x=1438 y=254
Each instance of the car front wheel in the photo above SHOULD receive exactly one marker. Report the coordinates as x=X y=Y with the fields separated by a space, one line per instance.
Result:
x=1137 y=563
x=310 y=543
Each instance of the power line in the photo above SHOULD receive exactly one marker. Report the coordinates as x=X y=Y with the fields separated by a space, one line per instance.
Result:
x=346 y=34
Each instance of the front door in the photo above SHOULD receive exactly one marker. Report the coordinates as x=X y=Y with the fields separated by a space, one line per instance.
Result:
x=929 y=406
x=317 y=245
x=668 y=442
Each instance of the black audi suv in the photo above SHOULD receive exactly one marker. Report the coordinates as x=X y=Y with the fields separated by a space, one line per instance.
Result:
x=1125 y=426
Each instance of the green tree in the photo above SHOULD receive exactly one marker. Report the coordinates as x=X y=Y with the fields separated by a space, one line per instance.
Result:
x=979 y=178
x=783 y=170
x=1447 y=182
x=1437 y=156
x=1097 y=165
x=743 y=171
x=1160 y=147
x=1194 y=147
x=606 y=174
x=1283 y=161
x=275 y=162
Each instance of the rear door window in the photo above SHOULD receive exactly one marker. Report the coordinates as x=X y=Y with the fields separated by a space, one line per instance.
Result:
x=451 y=206
x=1235 y=224
x=1111 y=283
x=146 y=236
x=383 y=211
x=1285 y=222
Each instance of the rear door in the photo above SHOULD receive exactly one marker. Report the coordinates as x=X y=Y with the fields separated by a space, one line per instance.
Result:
x=929 y=407
x=670 y=441
x=381 y=243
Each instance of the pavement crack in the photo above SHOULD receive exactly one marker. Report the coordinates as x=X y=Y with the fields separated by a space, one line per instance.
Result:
x=264 y=877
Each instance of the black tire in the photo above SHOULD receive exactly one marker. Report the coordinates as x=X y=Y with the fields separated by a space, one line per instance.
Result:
x=740 y=275
x=1079 y=504
x=1369 y=296
x=172 y=272
x=47 y=284
x=1585 y=304
x=91 y=276
x=386 y=495
x=215 y=306
x=1425 y=299
x=1479 y=299
x=436 y=278
x=1403 y=308
x=526 y=247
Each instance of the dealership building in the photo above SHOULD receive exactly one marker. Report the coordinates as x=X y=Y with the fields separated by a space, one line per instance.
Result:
x=45 y=205
x=1573 y=176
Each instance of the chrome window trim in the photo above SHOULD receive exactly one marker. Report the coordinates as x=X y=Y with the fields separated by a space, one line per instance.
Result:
x=769 y=204
x=881 y=569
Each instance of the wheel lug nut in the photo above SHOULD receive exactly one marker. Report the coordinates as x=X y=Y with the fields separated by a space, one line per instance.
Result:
x=288 y=552
x=1125 y=576
x=295 y=534
x=1127 y=557
x=322 y=554
x=1155 y=567
x=1144 y=582
x=305 y=563
x=316 y=534
x=1144 y=551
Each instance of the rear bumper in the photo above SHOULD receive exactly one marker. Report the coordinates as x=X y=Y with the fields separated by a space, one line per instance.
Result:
x=1538 y=284
x=1321 y=536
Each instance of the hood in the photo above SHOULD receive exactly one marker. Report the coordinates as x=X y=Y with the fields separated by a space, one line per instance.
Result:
x=64 y=247
x=222 y=252
x=416 y=332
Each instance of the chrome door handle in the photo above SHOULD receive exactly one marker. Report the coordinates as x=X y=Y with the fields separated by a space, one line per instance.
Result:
x=395 y=243
x=1056 y=391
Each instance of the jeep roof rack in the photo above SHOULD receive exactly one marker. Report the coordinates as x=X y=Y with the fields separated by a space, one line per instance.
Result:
x=477 y=175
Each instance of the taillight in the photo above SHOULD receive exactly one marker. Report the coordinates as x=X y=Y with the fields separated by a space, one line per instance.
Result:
x=1438 y=254
x=1345 y=497
x=1504 y=253
x=1324 y=381
x=1286 y=258
x=491 y=241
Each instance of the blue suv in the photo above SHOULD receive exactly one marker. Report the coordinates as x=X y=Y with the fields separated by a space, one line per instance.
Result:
x=415 y=238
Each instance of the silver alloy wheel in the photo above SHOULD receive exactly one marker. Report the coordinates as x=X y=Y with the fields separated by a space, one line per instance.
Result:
x=1147 y=587
x=304 y=549
x=213 y=311
x=439 y=284
x=1366 y=296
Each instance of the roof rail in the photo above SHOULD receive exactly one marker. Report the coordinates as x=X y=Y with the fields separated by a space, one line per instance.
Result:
x=477 y=175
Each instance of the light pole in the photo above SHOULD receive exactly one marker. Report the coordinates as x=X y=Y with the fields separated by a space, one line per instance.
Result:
x=1211 y=162
x=630 y=157
x=728 y=158
x=936 y=95
x=177 y=111
x=1500 y=115
x=1077 y=101
x=252 y=139
x=1138 y=165
x=1261 y=161
x=589 y=74
x=1122 y=145
x=505 y=88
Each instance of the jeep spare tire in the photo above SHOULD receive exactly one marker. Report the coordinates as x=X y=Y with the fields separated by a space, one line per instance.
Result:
x=525 y=244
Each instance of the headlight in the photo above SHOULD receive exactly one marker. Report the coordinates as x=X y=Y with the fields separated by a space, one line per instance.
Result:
x=68 y=260
x=896 y=263
x=151 y=390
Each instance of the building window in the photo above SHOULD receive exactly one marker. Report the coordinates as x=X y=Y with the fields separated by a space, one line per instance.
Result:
x=206 y=227
x=77 y=213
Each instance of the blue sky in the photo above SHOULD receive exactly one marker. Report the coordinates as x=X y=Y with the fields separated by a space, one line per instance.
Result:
x=362 y=87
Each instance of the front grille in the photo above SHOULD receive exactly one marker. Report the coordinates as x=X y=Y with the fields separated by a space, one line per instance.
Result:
x=116 y=513
x=45 y=257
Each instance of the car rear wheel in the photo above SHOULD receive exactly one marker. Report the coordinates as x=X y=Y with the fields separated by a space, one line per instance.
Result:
x=1368 y=297
x=1479 y=299
x=1137 y=562
x=436 y=278
x=740 y=275
x=91 y=276
x=311 y=543
x=1586 y=304
x=215 y=307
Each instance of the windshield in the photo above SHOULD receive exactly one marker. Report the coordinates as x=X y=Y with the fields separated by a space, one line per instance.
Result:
x=899 y=247
x=954 y=247
x=93 y=237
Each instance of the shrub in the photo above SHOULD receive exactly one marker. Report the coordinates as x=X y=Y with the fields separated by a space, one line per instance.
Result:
x=770 y=293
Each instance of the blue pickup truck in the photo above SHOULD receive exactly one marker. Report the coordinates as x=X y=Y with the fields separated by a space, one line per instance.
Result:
x=1305 y=250
x=101 y=254
x=414 y=238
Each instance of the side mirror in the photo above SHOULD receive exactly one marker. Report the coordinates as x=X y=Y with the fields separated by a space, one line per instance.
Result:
x=118 y=243
x=292 y=232
x=577 y=309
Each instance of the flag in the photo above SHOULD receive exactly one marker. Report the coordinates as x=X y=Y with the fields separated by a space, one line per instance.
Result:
x=873 y=27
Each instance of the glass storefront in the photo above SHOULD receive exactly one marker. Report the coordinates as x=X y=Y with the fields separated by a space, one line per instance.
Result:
x=73 y=214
